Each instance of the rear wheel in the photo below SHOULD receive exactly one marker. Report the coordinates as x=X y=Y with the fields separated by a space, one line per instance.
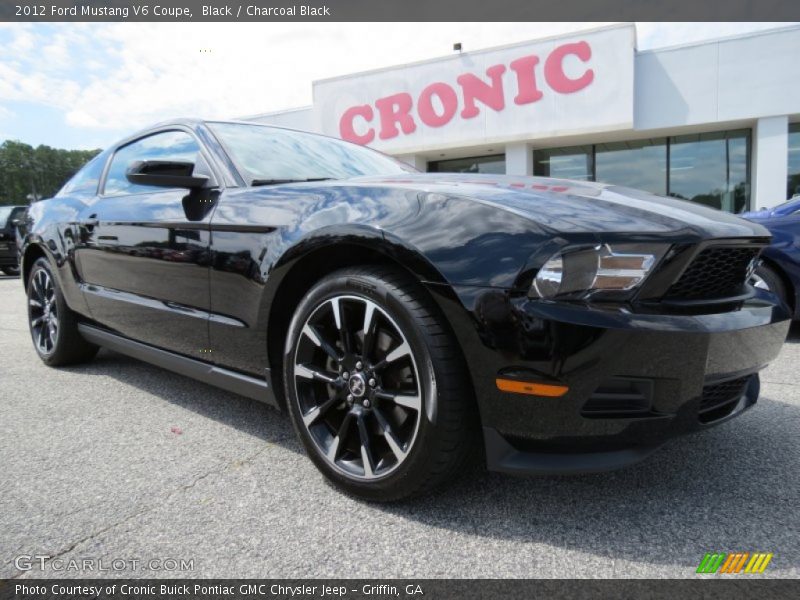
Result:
x=12 y=271
x=53 y=326
x=376 y=386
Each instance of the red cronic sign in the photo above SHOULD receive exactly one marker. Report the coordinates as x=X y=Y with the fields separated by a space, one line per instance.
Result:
x=398 y=113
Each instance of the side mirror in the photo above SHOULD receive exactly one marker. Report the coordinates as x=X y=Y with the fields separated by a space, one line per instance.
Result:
x=166 y=173
x=16 y=222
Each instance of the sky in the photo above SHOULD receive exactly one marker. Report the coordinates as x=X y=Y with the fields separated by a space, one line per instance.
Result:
x=86 y=85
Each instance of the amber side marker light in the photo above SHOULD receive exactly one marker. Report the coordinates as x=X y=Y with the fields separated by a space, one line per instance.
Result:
x=548 y=390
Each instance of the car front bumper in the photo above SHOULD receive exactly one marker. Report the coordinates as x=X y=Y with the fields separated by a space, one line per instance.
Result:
x=635 y=380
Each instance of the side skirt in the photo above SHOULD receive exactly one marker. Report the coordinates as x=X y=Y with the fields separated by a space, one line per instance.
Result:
x=225 y=379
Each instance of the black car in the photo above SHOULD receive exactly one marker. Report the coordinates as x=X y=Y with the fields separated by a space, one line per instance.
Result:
x=408 y=322
x=10 y=216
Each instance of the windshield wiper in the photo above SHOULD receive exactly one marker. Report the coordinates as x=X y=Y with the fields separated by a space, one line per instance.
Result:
x=257 y=182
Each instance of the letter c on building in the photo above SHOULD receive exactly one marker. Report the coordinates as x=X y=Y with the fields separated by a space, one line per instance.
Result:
x=347 y=129
x=554 y=68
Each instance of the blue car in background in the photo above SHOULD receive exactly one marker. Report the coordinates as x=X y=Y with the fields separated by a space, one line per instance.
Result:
x=779 y=271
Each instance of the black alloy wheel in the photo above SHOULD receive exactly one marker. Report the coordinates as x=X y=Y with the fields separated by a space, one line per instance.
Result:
x=43 y=312
x=358 y=387
x=376 y=387
x=53 y=325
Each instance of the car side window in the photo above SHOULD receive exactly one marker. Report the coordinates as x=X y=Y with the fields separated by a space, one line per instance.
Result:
x=168 y=145
x=85 y=181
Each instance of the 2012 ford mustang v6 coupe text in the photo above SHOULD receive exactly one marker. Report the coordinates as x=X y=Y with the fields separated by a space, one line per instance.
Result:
x=406 y=321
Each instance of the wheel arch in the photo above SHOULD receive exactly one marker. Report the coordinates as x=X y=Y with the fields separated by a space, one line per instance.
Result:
x=32 y=253
x=61 y=269
x=314 y=259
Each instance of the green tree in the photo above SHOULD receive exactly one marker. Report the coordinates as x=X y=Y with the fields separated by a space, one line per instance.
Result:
x=40 y=172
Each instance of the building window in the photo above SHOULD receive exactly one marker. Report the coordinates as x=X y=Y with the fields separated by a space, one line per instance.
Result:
x=495 y=164
x=708 y=168
x=711 y=169
x=641 y=164
x=576 y=162
x=793 y=180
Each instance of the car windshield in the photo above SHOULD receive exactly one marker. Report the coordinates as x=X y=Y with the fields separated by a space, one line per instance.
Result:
x=271 y=155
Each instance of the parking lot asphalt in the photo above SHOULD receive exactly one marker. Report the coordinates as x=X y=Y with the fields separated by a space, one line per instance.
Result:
x=120 y=460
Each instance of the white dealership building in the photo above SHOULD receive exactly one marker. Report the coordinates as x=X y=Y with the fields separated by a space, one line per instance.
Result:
x=716 y=122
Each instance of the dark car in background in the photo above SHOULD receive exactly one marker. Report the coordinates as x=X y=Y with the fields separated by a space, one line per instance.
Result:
x=10 y=216
x=408 y=322
x=779 y=270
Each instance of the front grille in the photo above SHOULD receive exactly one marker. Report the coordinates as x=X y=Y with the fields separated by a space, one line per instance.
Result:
x=719 y=399
x=717 y=272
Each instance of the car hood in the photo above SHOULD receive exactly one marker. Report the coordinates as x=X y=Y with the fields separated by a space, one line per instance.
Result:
x=565 y=205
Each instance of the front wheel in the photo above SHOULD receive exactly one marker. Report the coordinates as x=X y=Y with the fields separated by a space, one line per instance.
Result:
x=53 y=326
x=376 y=385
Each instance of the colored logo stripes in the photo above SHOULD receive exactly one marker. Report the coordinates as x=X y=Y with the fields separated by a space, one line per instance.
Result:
x=735 y=562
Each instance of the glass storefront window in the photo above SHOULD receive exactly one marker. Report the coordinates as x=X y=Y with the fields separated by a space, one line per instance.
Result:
x=569 y=163
x=793 y=179
x=640 y=164
x=494 y=164
x=711 y=169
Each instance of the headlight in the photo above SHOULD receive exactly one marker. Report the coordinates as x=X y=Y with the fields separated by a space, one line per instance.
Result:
x=606 y=268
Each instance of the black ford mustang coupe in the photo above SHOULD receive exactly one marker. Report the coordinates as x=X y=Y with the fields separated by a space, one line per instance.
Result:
x=406 y=321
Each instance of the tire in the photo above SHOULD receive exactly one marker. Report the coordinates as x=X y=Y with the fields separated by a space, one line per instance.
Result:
x=385 y=415
x=766 y=278
x=53 y=326
x=11 y=271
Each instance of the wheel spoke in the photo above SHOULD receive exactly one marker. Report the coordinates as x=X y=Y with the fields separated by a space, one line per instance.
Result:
x=366 y=454
x=337 y=315
x=35 y=303
x=37 y=282
x=389 y=436
x=333 y=449
x=42 y=338
x=308 y=372
x=399 y=352
x=35 y=322
x=311 y=333
x=315 y=413
x=338 y=318
x=369 y=315
x=411 y=401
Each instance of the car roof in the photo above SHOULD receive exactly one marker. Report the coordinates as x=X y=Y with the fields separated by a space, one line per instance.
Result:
x=193 y=123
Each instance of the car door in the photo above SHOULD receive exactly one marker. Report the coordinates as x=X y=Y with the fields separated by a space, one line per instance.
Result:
x=142 y=254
